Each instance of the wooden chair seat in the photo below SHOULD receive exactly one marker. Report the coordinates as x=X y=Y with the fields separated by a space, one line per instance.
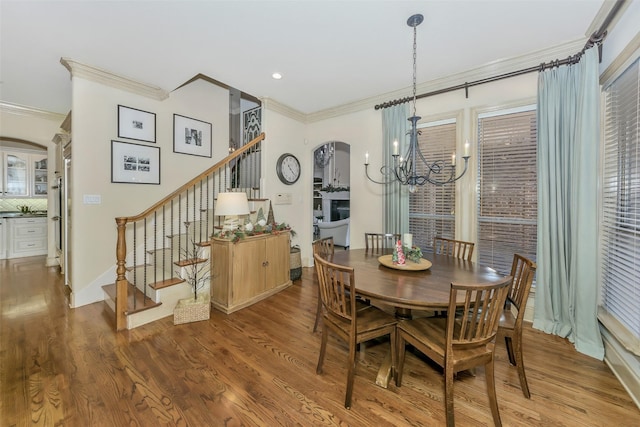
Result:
x=510 y=325
x=463 y=340
x=340 y=314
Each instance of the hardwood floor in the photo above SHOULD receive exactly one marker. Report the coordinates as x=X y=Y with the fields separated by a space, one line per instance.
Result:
x=256 y=367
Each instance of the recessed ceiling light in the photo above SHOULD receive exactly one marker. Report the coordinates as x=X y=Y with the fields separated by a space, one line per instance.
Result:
x=276 y=76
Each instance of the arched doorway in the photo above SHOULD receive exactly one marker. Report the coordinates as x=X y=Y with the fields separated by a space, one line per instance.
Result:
x=331 y=196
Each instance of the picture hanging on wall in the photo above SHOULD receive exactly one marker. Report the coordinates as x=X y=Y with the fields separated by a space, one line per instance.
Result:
x=136 y=124
x=252 y=120
x=191 y=136
x=134 y=163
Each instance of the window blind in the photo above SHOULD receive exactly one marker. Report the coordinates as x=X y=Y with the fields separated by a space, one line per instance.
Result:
x=507 y=188
x=620 y=233
x=431 y=207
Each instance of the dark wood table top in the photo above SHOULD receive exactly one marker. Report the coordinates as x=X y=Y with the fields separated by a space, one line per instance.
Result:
x=427 y=289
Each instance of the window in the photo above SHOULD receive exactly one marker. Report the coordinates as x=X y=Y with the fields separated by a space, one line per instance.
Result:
x=507 y=187
x=431 y=207
x=620 y=233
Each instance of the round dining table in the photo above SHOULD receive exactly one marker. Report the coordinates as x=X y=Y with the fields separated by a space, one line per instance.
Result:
x=406 y=288
x=409 y=289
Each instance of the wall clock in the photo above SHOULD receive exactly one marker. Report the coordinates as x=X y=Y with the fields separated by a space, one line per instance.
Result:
x=288 y=168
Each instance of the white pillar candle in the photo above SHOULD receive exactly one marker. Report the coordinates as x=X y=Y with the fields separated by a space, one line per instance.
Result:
x=408 y=240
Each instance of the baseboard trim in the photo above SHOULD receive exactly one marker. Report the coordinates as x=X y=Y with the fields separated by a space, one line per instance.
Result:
x=618 y=360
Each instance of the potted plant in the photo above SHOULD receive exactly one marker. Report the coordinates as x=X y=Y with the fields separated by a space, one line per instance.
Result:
x=196 y=273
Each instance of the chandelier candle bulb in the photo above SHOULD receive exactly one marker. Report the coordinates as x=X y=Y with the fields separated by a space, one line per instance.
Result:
x=366 y=158
x=453 y=159
x=395 y=148
x=466 y=148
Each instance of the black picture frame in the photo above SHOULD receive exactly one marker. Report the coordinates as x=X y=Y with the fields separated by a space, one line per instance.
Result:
x=134 y=163
x=192 y=136
x=136 y=124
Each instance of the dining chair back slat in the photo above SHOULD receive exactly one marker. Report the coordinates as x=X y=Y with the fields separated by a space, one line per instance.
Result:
x=451 y=247
x=377 y=242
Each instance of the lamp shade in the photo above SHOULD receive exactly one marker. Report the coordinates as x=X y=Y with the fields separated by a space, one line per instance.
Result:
x=235 y=203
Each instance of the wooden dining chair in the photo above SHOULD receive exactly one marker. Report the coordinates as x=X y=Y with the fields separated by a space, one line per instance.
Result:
x=455 y=248
x=341 y=315
x=510 y=326
x=325 y=248
x=377 y=242
x=463 y=340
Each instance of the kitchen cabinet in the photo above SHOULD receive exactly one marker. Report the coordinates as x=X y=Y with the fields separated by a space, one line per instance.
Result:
x=26 y=236
x=14 y=174
x=249 y=270
x=40 y=179
x=24 y=174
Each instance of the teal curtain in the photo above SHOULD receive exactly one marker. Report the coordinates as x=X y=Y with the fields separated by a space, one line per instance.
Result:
x=395 y=125
x=568 y=140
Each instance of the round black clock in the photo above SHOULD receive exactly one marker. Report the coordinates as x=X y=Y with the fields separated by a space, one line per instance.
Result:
x=288 y=168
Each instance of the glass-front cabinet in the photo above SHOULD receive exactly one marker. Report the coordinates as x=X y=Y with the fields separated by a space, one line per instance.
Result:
x=15 y=174
x=23 y=174
x=39 y=175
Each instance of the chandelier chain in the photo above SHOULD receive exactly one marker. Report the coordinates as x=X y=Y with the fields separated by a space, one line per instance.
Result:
x=415 y=48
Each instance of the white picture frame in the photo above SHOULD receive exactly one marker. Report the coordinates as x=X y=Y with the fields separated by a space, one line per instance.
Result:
x=134 y=163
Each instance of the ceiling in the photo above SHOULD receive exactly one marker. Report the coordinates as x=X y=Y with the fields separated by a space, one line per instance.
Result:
x=329 y=52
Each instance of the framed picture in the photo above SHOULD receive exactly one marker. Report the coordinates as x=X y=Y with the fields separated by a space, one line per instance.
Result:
x=136 y=124
x=191 y=136
x=134 y=163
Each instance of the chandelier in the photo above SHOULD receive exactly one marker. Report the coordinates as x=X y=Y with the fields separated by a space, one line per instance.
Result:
x=324 y=154
x=403 y=169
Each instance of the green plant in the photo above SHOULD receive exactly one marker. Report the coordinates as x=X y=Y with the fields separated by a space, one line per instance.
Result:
x=256 y=230
x=332 y=189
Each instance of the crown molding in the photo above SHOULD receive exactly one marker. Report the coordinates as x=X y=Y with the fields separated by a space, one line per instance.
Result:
x=285 y=110
x=107 y=78
x=21 y=110
x=491 y=69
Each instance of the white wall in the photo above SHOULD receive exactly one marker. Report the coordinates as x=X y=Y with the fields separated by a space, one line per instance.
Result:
x=94 y=126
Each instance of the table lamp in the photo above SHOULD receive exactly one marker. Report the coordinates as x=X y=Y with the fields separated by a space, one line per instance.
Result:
x=230 y=205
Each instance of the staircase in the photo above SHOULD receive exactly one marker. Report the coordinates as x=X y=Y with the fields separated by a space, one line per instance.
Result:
x=169 y=242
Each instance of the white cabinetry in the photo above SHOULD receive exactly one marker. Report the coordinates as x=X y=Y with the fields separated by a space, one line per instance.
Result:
x=14 y=176
x=27 y=237
x=24 y=174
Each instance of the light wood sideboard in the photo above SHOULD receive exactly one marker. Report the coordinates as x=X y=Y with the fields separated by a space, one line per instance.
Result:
x=249 y=270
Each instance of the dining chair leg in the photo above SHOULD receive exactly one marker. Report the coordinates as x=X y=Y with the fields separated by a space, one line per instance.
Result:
x=517 y=342
x=448 y=397
x=350 y=374
x=491 y=391
x=318 y=312
x=509 y=344
x=323 y=348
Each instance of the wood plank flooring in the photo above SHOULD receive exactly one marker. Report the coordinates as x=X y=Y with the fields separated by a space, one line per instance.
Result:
x=256 y=367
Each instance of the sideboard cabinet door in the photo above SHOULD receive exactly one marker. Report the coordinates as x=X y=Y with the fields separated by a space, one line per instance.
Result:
x=249 y=270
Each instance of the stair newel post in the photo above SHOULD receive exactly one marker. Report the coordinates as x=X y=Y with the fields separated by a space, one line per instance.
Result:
x=121 y=281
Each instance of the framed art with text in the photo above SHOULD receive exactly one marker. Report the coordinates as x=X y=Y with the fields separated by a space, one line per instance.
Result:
x=191 y=136
x=136 y=124
x=134 y=163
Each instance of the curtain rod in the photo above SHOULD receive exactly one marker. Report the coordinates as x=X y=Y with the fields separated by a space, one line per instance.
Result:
x=596 y=39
